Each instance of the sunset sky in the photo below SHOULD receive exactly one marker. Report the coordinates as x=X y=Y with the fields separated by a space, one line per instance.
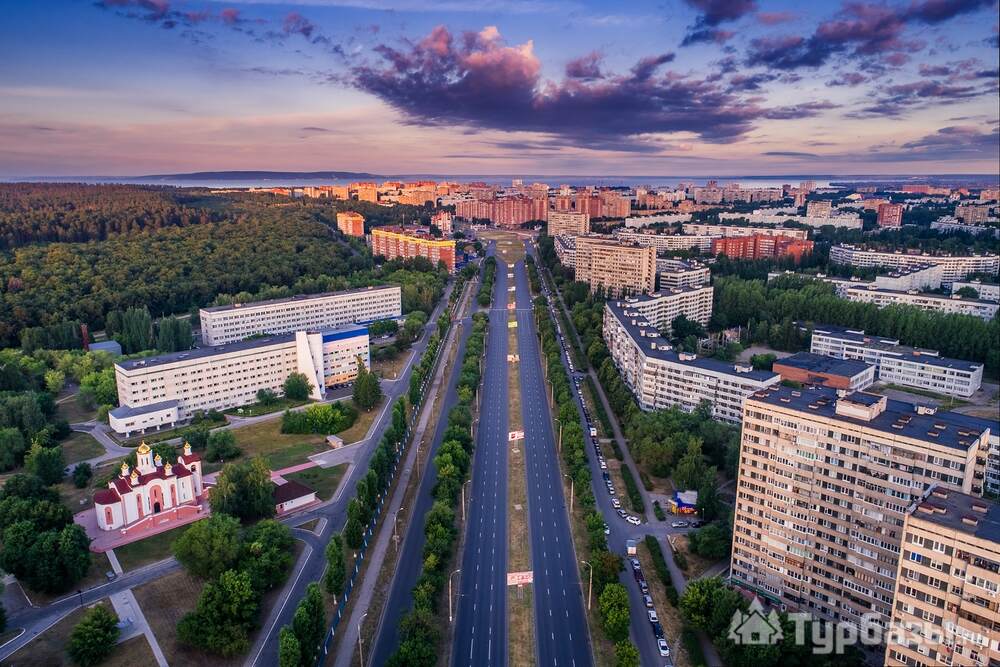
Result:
x=675 y=87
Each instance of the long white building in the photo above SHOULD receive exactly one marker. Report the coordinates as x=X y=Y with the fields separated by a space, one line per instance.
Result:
x=846 y=220
x=938 y=303
x=661 y=377
x=639 y=221
x=666 y=242
x=661 y=308
x=953 y=267
x=986 y=291
x=926 y=277
x=307 y=312
x=899 y=364
x=681 y=273
x=164 y=390
x=726 y=231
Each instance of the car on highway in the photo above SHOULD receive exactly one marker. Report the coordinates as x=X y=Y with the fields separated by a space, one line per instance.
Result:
x=663 y=647
x=653 y=618
x=679 y=524
x=634 y=520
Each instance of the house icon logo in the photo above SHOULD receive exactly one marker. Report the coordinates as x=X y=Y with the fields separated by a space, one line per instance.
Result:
x=753 y=628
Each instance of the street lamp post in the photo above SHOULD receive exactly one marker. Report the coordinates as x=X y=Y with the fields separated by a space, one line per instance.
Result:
x=361 y=654
x=468 y=481
x=572 y=482
x=590 y=586
x=395 y=522
x=450 y=618
x=560 y=433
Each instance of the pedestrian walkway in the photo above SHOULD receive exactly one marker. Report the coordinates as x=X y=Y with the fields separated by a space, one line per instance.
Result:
x=129 y=612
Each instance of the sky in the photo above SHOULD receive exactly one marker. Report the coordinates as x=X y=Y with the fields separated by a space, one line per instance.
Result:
x=667 y=88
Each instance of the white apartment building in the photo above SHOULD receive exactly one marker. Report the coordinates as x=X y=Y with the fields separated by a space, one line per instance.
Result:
x=565 y=247
x=681 y=273
x=639 y=221
x=661 y=377
x=947 y=224
x=910 y=278
x=307 y=312
x=898 y=364
x=661 y=308
x=993 y=460
x=953 y=267
x=567 y=223
x=164 y=390
x=987 y=291
x=667 y=242
x=764 y=217
x=939 y=303
x=826 y=478
x=726 y=231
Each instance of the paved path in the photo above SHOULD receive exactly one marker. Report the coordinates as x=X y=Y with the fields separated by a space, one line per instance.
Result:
x=127 y=607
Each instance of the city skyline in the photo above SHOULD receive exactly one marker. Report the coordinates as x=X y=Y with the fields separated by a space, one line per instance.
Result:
x=723 y=87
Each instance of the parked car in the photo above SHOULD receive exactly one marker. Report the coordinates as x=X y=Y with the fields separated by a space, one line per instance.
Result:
x=607 y=529
x=593 y=431
x=653 y=618
x=634 y=520
x=643 y=586
x=663 y=647
x=697 y=524
x=648 y=601
x=634 y=562
x=604 y=465
x=658 y=630
x=621 y=512
x=680 y=524
x=617 y=504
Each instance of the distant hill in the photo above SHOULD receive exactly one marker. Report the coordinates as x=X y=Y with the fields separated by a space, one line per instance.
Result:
x=262 y=175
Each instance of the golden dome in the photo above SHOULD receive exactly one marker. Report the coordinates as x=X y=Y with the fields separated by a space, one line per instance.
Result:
x=143 y=448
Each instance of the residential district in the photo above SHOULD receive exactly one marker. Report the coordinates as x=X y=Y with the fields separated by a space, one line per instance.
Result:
x=707 y=424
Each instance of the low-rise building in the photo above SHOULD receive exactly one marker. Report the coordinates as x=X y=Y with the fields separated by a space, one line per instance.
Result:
x=825 y=481
x=410 y=242
x=809 y=368
x=306 y=312
x=568 y=223
x=972 y=215
x=770 y=217
x=638 y=221
x=615 y=267
x=162 y=391
x=953 y=267
x=681 y=273
x=351 y=223
x=984 y=291
x=899 y=364
x=727 y=231
x=945 y=608
x=661 y=377
x=759 y=246
x=666 y=242
x=820 y=208
x=938 y=303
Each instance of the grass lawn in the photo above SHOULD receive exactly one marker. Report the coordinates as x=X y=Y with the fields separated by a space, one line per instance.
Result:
x=391 y=368
x=280 y=450
x=359 y=429
x=73 y=412
x=153 y=548
x=80 y=447
x=696 y=564
x=49 y=648
x=946 y=400
x=159 y=436
x=324 y=481
x=256 y=409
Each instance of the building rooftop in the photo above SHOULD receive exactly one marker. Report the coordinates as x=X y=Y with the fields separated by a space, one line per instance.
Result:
x=124 y=412
x=666 y=292
x=961 y=512
x=655 y=346
x=818 y=363
x=238 y=346
x=297 y=298
x=871 y=287
x=892 y=346
x=899 y=418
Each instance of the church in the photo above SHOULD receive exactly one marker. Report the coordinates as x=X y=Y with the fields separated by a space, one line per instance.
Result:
x=151 y=488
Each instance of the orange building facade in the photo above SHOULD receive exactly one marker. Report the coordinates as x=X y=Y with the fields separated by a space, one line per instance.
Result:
x=351 y=223
x=399 y=242
x=761 y=246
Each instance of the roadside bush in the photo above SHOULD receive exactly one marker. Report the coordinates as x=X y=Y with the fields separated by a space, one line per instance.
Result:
x=632 y=490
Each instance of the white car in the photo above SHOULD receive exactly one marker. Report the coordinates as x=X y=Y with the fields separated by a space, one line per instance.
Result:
x=607 y=529
x=604 y=466
x=617 y=504
x=634 y=520
x=653 y=618
x=661 y=644
x=679 y=524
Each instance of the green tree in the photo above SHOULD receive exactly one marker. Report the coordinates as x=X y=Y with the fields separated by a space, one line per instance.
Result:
x=244 y=489
x=45 y=463
x=709 y=605
x=289 y=652
x=367 y=390
x=626 y=654
x=209 y=547
x=82 y=474
x=267 y=553
x=266 y=397
x=967 y=292
x=12 y=448
x=309 y=624
x=690 y=470
x=336 y=570
x=708 y=505
x=354 y=533
x=614 y=607
x=297 y=387
x=55 y=380
x=225 y=613
x=221 y=446
x=94 y=637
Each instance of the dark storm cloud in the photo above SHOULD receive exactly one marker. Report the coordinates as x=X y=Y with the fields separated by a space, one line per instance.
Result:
x=712 y=14
x=586 y=67
x=860 y=29
x=476 y=79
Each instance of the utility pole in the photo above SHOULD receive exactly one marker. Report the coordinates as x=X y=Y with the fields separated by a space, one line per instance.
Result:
x=361 y=654
x=450 y=618
x=590 y=586
x=463 y=498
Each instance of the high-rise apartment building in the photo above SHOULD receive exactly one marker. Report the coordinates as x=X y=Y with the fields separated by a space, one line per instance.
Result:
x=351 y=223
x=666 y=242
x=760 y=246
x=681 y=273
x=890 y=215
x=661 y=308
x=443 y=221
x=615 y=267
x=826 y=478
x=946 y=608
x=568 y=223
x=305 y=312
x=972 y=215
x=822 y=208
x=409 y=242
x=508 y=212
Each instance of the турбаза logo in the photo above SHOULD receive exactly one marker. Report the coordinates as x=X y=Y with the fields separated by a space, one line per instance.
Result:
x=753 y=628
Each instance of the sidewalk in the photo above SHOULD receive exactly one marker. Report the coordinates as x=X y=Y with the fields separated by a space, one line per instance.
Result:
x=127 y=608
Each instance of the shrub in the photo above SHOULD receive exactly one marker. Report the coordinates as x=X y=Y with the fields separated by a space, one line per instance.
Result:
x=94 y=637
x=658 y=511
x=632 y=490
x=82 y=474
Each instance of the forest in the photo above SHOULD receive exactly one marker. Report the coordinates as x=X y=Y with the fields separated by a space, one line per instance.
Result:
x=172 y=251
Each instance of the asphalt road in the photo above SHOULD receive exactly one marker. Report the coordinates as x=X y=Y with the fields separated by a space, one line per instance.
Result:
x=410 y=562
x=481 y=621
x=560 y=623
x=335 y=513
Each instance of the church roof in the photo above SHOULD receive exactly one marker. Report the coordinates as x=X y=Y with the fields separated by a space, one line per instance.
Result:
x=106 y=497
x=124 y=486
